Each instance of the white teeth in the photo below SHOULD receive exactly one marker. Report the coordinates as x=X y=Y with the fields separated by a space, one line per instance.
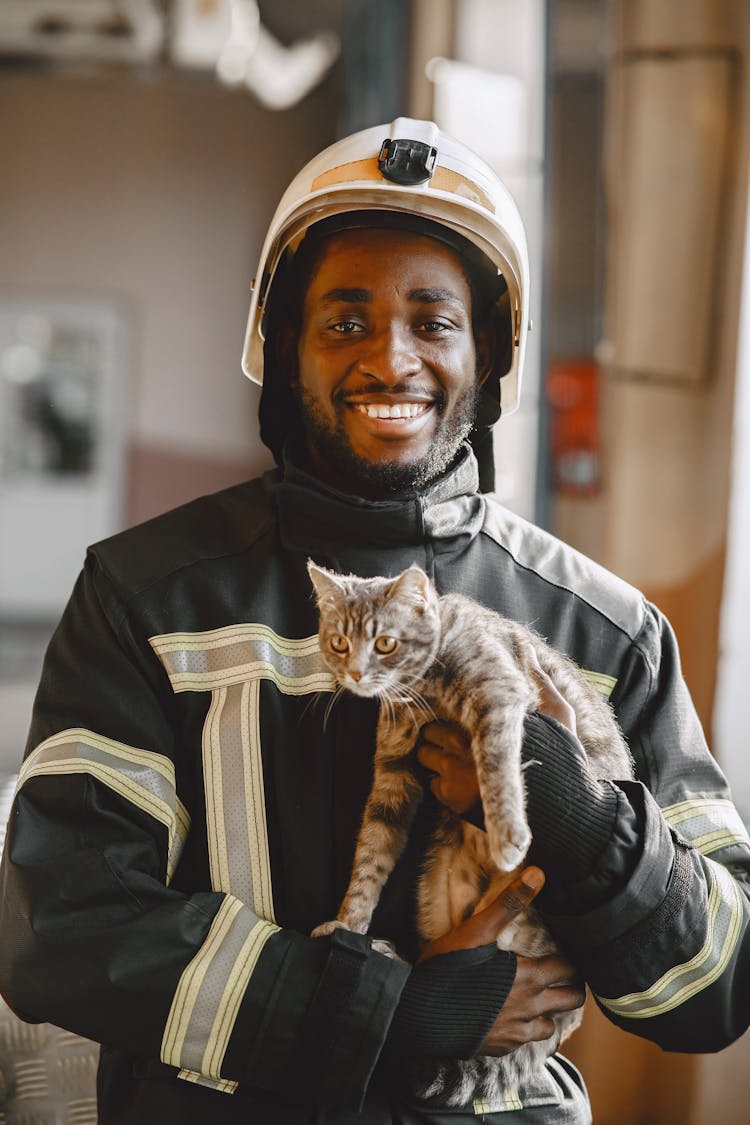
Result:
x=398 y=410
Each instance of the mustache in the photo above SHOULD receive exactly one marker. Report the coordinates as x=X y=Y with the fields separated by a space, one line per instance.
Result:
x=378 y=388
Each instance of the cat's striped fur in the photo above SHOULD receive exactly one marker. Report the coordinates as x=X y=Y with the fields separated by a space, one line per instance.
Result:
x=425 y=656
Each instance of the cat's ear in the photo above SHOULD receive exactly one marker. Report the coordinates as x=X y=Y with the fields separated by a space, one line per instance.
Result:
x=327 y=584
x=414 y=586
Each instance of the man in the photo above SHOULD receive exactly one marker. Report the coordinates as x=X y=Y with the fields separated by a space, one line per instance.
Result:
x=187 y=809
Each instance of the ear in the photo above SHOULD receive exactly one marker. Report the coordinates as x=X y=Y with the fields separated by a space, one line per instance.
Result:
x=414 y=586
x=327 y=583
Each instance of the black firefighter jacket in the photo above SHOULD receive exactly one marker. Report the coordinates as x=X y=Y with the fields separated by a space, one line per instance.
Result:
x=187 y=809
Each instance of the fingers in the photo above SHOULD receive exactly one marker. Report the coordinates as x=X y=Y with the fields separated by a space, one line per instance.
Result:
x=565 y=998
x=444 y=750
x=549 y=984
x=512 y=900
x=550 y=970
x=483 y=928
x=518 y=895
x=551 y=701
x=501 y=1042
x=430 y=757
x=543 y=987
x=444 y=738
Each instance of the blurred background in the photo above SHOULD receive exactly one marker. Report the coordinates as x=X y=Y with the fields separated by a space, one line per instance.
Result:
x=144 y=146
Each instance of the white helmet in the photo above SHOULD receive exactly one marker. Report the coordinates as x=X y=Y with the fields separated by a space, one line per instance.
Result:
x=409 y=167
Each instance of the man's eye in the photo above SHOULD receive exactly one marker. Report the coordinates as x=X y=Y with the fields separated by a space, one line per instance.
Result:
x=436 y=327
x=345 y=327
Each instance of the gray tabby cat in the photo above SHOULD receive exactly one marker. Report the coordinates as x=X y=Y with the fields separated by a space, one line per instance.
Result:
x=425 y=656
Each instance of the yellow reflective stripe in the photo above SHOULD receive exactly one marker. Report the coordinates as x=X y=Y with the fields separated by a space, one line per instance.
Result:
x=714 y=841
x=223 y=1085
x=142 y=777
x=345 y=173
x=255 y=803
x=232 y=634
x=218 y=850
x=209 y=993
x=510 y=1100
x=709 y=823
x=605 y=685
x=238 y=851
x=231 y=662
x=190 y=983
x=218 y=658
x=234 y=991
x=443 y=179
x=259 y=670
x=680 y=983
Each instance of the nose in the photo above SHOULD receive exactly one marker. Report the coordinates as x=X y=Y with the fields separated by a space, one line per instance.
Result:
x=390 y=356
x=356 y=676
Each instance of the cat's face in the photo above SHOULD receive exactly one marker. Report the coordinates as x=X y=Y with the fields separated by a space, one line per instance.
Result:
x=377 y=635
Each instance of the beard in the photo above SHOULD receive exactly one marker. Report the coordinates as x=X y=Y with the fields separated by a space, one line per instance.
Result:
x=373 y=478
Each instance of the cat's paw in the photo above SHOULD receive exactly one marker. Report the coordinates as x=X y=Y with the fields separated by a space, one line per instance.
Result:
x=388 y=949
x=509 y=849
x=327 y=928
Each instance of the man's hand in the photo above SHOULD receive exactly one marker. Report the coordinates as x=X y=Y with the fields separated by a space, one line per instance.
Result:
x=551 y=702
x=445 y=750
x=483 y=927
x=542 y=986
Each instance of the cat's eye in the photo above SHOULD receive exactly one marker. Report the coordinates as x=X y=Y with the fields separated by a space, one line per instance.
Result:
x=339 y=643
x=386 y=645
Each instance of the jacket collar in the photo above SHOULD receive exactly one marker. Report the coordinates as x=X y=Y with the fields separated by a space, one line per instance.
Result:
x=314 y=518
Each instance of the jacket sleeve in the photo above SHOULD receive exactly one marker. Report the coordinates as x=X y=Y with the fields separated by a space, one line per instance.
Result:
x=94 y=937
x=668 y=957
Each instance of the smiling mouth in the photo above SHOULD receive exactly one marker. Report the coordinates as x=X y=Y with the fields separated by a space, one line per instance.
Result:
x=393 y=411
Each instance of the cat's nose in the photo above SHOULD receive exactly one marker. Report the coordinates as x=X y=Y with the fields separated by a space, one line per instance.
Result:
x=356 y=676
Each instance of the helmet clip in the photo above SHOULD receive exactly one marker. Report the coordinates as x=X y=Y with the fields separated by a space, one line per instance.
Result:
x=407 y=162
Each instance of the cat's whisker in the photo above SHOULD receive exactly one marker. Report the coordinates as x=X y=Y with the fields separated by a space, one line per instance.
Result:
x=336 y=695
x=387 y=704
x=424 y=703
x=406 y=700
x=314 y=700
x=416 y=697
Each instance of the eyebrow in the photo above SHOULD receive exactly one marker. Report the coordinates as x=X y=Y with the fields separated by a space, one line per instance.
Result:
x=434 y=296
x=347 y=296
x=363 y=296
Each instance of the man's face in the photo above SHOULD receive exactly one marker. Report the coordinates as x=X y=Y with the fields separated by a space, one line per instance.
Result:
x=387 y=361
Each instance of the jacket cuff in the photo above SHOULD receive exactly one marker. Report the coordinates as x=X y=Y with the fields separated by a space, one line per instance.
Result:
x=653 y=885
x=319 y=1010
x=450 y=1002
x=586 y=835
x=572 y=815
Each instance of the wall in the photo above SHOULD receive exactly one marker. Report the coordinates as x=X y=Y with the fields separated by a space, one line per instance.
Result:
x=734 y=658
x=668 y=444
x=661 y=521
x=154 y=192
